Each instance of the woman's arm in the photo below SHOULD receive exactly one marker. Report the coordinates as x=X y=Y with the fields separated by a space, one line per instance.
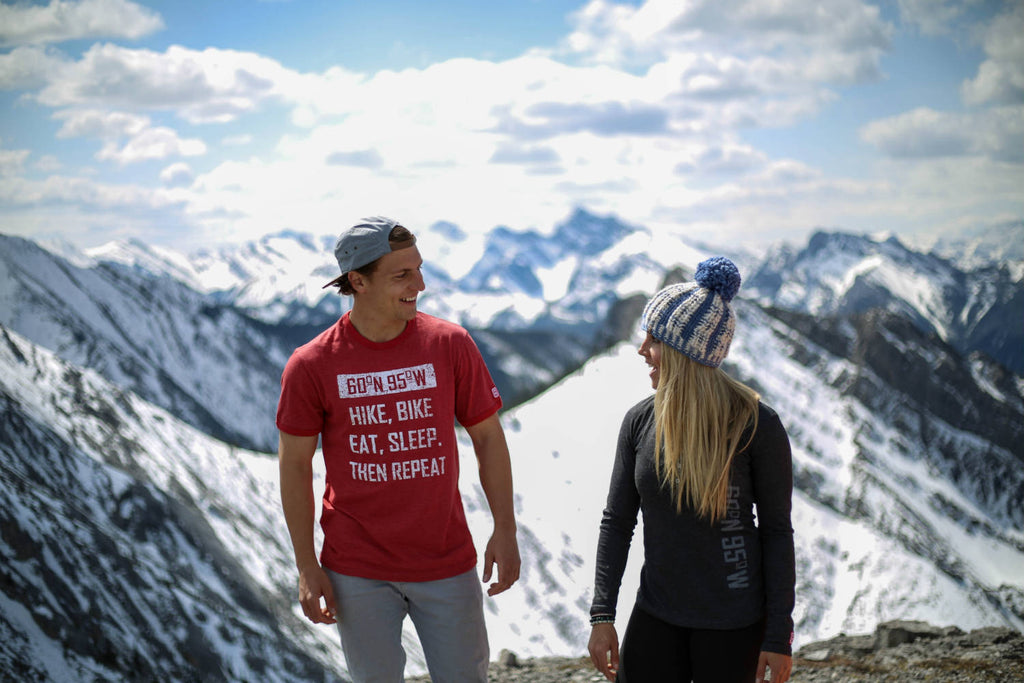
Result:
x=772 y=472
x=617 y=524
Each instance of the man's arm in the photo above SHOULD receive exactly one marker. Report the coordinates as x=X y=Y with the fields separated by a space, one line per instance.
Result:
x=496 y=479
x=295 y=459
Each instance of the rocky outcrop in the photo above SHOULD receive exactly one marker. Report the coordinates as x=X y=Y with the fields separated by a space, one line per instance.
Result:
x=914 y=651
x=896 y=652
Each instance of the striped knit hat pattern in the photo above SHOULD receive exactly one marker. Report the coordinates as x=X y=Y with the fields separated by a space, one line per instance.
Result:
x=695 y=318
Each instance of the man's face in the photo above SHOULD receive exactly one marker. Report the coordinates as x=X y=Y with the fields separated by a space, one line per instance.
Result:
x=391 y=291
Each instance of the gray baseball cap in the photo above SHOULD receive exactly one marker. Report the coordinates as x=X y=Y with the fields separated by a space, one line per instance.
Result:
x=363 y=243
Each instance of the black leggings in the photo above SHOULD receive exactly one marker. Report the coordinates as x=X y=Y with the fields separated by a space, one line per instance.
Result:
x=654 y=651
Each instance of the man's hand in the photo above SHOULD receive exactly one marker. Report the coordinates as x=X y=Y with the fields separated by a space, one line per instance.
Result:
x=496 y=479
x=295 y=455
x=314 y=585
x=779 y=665
x=503 y=550
x=604 y=649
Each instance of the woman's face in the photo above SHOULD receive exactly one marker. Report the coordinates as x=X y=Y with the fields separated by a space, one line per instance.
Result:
x=651 y=351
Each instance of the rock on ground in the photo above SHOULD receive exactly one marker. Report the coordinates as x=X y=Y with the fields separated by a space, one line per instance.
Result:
x=898 y=652
x=901 y=651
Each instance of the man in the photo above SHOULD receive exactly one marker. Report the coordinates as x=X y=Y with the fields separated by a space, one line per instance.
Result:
x=382 y=388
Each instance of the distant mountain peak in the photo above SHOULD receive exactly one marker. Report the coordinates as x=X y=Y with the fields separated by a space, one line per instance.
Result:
x=840 y=273
x=981 y=246
x=306 y=239
x=591 y=234
x=448 y=231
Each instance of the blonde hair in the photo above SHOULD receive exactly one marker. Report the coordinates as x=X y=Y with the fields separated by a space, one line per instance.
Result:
x=700 y=415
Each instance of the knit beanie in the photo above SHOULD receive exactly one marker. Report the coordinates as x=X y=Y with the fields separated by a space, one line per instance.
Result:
x=695 y=318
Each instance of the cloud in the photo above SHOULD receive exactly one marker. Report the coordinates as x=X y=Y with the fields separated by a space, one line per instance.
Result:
x=177 y=175
x=1000 y=78
x=550 y=119
x=997 y=134
x=96 y=123
x=48 y=163
x=237 y=140
x=25 y=68
x=63 y=20
x=722 y=161
x=932 y=17
x=837 y=41
x=150 y=144
x=691 y=84
x=511 y=154
x=144 y=141
x=203 y=87
x=643 y=111
x=469 y=140
x=85 y=193
x=362 y=158
x=12 y=161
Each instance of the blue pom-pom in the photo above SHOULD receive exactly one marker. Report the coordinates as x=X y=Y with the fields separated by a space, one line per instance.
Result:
x=720 y=275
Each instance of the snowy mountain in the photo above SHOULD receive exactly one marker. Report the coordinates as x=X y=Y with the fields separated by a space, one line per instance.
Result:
x=135 y=547
x=981 y=246
x=537 y=305
x=206 y=362
x=271 y=274
x=186 y=351
x=136 y=529
x=497 y=280
x=839 y=273
x=883 y=531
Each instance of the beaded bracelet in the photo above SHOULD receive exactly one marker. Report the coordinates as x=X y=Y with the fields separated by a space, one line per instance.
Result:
x=602 y=619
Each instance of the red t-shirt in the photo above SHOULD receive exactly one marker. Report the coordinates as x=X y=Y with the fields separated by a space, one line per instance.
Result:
x=386 y=415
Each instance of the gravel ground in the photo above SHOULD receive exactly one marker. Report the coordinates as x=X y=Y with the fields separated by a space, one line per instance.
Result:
x=985 y=656
x=542 y=670
x=559 y=670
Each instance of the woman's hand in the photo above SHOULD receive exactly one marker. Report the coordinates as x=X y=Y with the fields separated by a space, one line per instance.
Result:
x=780 y=667
x=604 y=649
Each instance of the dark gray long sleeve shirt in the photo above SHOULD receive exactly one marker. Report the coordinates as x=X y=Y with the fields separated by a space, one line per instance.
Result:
x=697 y=575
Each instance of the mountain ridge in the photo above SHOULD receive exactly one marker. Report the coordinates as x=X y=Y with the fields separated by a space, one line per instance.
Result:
x=906 y=453
x=116 y=544
x=846 y=273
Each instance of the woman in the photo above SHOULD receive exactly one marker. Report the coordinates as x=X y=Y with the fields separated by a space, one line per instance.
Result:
x=716 y=590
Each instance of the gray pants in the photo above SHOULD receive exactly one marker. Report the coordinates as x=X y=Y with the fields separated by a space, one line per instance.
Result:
x=448 y=616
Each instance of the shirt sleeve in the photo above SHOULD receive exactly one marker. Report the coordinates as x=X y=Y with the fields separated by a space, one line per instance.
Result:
x=617 y=522
x=772 y=473
x=476 y=394
x=300 y=408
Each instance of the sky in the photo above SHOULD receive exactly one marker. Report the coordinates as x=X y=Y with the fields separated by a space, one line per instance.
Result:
x=191 y=124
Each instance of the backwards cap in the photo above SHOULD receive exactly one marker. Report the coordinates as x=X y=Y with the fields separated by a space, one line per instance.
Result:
x=363 y=243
